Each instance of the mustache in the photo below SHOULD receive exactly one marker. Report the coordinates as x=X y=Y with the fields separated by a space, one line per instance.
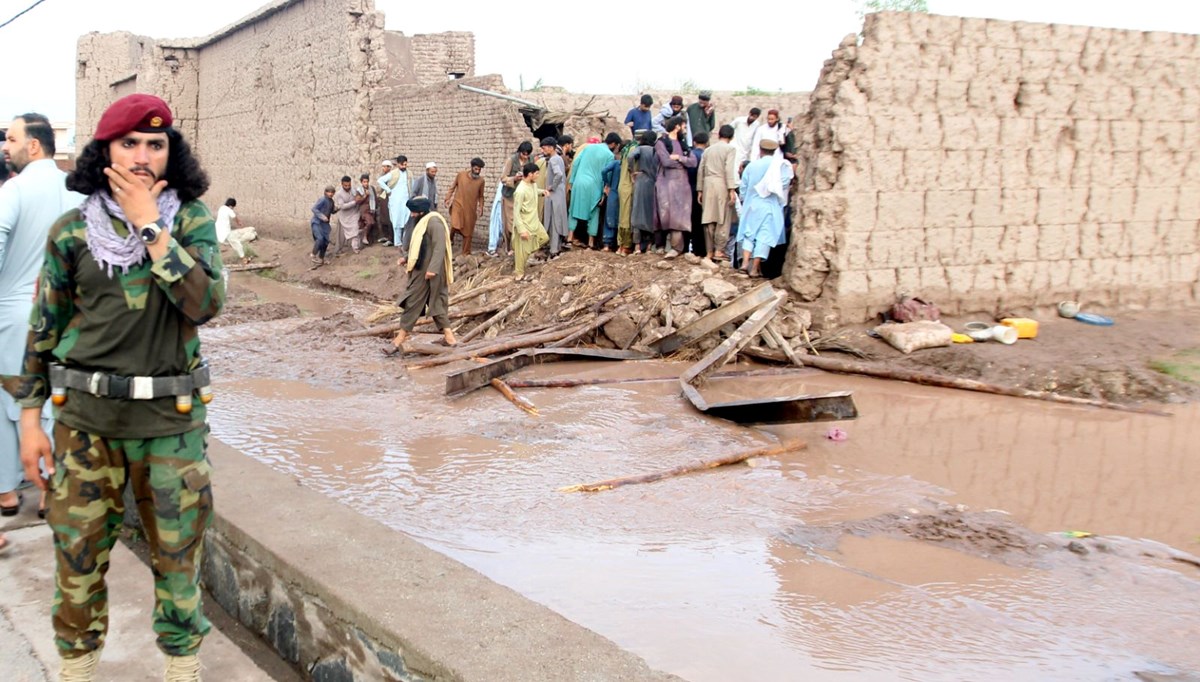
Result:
x=145 y=169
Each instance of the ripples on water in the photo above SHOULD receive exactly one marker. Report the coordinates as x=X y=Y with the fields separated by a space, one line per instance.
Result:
x=691 y=573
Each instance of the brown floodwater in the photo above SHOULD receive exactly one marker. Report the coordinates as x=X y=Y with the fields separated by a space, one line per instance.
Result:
x=697 y=574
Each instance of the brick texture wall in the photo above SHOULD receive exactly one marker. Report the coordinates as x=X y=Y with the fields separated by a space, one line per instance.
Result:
x=993 y=165
x=286 y=107
x=450 y=126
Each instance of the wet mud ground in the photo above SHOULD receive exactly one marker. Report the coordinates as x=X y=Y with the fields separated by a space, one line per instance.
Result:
x=927 y=546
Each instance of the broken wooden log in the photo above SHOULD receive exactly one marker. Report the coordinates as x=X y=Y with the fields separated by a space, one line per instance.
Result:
x=495 y=319
x=580 y=307
x=513 y=398
x=393 y=327
x=463 y=381
x=829 y=364
x=598 y=381
x=477 y=291
x=495 y=348
x=700 y=465
x=590 y=327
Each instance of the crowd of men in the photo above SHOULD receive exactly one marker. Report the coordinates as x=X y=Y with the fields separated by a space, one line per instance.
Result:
x=668 y=188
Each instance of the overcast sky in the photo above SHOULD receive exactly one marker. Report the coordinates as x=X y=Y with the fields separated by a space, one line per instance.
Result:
x=583 y=47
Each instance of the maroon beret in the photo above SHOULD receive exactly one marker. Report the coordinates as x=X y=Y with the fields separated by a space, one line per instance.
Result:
x=140 y=112
x=677 y=99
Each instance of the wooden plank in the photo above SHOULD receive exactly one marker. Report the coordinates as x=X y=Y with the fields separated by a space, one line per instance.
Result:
x=730 y=312
x=468 y=379
x=730 y=346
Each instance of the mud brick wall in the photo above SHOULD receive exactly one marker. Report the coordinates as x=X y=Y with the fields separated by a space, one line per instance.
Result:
x=437 y=55
x=112 y=65
x=451 y=126
x=286 y=106
x=991 y=165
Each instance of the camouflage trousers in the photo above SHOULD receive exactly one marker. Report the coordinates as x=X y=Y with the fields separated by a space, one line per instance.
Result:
x=169 y=477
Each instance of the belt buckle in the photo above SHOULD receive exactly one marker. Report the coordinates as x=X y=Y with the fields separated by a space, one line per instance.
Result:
x=94 y=383
x=118 y=386
x=143 y=388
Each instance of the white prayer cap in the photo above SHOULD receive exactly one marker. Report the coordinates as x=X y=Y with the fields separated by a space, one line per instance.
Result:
x=431 y=164
x=387 y=162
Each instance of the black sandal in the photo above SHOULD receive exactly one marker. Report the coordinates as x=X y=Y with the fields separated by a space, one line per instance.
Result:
x=11 y=511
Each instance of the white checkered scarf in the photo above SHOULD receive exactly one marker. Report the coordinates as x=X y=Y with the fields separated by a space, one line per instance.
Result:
x=110 y=249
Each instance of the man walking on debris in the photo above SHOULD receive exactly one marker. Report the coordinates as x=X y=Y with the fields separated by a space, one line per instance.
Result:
x=347 y=217
x=717 y=193
x=128 y=277
x=556 y=197
x=29 y=205
x=764 y=190
x=321 y=213
x=465 y=199
x=529 y=234
x=430 y=267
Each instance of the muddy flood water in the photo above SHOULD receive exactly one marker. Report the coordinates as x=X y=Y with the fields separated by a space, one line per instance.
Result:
x=930 y=545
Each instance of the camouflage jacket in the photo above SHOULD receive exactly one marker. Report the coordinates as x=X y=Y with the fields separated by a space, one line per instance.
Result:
x=140 y=322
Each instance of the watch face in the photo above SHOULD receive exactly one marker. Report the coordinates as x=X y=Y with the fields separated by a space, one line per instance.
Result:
x=150 y=233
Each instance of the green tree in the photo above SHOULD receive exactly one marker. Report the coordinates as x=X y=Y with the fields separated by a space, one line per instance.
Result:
x=866 y=7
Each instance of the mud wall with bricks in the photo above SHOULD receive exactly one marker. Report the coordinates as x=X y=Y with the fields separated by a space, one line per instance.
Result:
x=286 y=106
x=451 y=126
x=991 y=165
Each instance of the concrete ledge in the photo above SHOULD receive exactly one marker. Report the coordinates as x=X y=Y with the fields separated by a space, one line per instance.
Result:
x=346 y=598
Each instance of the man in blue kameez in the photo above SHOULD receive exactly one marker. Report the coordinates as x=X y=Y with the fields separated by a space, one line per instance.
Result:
x=29 y=205
x=764 y=191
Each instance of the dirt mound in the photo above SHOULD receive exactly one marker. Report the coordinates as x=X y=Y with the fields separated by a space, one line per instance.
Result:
x=330 y=325
x=262 y=312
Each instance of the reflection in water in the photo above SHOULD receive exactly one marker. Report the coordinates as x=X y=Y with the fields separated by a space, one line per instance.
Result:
x=691 y=573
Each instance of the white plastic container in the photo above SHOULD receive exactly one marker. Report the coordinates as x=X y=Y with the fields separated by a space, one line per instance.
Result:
x=1006 y=335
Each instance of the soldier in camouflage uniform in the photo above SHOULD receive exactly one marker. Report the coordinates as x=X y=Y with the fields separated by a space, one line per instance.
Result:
x=127 y=279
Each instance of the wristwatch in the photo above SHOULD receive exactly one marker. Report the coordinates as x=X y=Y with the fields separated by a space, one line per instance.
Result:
x=149 y=233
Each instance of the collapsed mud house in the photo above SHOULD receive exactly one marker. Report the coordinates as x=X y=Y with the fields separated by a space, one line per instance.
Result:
x=988 y=165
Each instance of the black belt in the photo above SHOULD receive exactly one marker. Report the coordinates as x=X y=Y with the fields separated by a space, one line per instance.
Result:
x=105 y=385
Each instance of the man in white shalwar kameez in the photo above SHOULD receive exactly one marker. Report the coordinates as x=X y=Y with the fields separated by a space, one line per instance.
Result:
x=764 y=192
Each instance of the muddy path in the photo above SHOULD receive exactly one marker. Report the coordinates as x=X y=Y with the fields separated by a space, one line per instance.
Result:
x=931 y=545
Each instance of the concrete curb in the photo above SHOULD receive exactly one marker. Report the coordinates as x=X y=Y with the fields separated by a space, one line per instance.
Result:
x=346 y=598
